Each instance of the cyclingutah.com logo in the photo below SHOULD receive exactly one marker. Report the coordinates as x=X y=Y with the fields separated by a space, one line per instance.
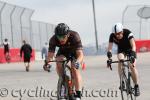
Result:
x=42 y=93
x=100 y=93
x=27 y=94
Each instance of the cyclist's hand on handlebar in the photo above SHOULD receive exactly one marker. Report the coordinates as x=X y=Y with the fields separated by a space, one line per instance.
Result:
x=132 y=59
x=76 y=64
x=132 y=56
x=46 y=61
x=109 y=54
x=109 y=63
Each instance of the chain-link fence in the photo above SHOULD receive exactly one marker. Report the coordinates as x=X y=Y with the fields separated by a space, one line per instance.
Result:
x=16 y=25
x=136 y=18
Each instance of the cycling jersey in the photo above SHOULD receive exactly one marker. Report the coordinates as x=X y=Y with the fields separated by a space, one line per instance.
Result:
x=73 y=43
x=124 y=43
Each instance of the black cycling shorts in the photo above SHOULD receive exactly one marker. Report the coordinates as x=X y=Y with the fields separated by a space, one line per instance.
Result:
x=125 y=52
x=67 y=54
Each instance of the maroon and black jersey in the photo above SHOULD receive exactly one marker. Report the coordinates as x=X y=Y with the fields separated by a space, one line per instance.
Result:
x=73 y=43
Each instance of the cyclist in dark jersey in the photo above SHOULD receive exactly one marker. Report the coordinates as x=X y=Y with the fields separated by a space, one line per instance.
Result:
x=69 y=44
x=124 y=39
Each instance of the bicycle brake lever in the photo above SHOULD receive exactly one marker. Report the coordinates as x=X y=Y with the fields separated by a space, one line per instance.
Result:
x=109 y=63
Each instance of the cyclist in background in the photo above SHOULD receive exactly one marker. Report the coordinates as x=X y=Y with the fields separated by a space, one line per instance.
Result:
x=124 y=39
x=69 y=44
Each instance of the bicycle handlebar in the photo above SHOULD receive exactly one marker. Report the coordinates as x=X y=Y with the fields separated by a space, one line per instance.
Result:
x=55 y=61
x=109 y=62
x=121 y=61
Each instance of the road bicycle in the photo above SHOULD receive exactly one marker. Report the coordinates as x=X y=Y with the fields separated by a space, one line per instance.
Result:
x=126 y=84
x=65 y=88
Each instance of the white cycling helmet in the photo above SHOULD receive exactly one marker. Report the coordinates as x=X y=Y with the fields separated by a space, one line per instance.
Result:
x=118 y=27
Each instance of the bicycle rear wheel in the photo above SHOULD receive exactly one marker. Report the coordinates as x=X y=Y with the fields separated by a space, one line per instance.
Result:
x=62 y=90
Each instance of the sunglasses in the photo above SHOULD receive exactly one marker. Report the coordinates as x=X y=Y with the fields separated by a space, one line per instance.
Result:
x=61 y=37
x=118 y=33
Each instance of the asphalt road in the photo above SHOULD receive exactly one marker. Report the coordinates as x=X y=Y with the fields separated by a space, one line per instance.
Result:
x=99 y=83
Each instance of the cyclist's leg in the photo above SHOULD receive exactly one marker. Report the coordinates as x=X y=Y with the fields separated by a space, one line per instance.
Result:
x=77 y=80
x=59 y=64
x=120 y=56
x=134 y=75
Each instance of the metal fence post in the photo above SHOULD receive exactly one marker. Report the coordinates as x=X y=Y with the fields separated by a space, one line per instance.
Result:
x=21 y=24
x=12 y=25
x=1 y=21
x=31 y=37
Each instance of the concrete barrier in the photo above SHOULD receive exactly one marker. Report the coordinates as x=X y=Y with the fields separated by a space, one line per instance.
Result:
x=142 y=45
x=14 y=54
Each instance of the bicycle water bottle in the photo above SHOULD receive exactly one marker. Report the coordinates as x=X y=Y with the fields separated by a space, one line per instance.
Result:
x=70 y=83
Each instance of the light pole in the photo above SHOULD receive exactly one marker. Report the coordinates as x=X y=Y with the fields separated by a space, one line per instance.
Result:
x=95 y=27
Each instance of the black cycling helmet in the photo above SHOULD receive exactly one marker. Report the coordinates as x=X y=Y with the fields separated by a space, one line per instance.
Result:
x=61 y=29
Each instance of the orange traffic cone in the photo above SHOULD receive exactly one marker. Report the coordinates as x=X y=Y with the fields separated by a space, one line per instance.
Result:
x=83 y=66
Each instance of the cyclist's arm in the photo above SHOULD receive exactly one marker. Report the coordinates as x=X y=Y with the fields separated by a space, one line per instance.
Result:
x=110 y=44
x=79 y=54
x=132 y=42
x=50 y=56
x=51 y=48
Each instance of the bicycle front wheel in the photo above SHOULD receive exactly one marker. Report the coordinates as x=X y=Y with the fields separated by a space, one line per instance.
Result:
x=62 y=90
x=125 y=88
x=130 y=88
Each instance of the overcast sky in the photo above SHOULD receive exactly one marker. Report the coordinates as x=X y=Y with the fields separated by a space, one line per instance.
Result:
x=79 y=16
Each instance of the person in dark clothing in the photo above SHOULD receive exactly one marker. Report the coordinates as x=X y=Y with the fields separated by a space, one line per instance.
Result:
x=26 y=50
x=6 y=50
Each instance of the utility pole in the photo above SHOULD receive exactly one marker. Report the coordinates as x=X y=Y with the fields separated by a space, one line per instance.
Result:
x=95 y=27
